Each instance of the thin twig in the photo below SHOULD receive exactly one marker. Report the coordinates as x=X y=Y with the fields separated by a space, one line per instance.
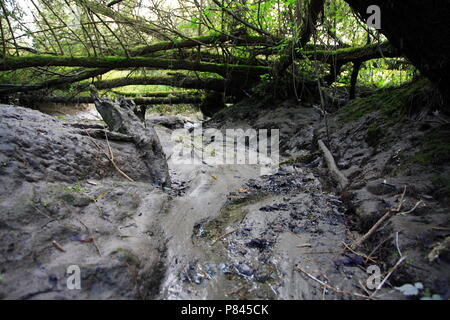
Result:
x=330 y=287
x=401 y=200
x=378 y=247
x=58 y=246
x=110 y=157
x=305 y=245
x=92 y=236
x=224 y=235
x=387 y=216
x=388 y=275
x=368 y=258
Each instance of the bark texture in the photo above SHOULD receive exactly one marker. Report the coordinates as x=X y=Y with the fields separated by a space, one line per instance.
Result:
x=120 y=117
x=419 y=29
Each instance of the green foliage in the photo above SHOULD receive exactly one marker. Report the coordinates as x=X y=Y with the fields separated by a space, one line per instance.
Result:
x=382 y=73
x=75 y=31
x=75 y=188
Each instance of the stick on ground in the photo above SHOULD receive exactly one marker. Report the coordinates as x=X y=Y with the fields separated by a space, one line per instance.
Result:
x=336 y=174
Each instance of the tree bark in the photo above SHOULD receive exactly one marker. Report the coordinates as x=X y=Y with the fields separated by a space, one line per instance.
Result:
x=354 y=79
x=14 y=63
x=193 y=42
x=420 y=30
x=9 y=89
x=179 y=81
x=120 y=117
x=138 y=101
x=346 y=55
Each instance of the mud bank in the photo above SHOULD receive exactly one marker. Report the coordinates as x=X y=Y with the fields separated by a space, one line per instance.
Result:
x=220 y=231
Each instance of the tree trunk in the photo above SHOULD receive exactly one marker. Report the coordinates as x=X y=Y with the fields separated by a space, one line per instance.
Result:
x=120 y=117
x=181 y=99
x=420 y=30
x=354 y=79
x=14 y=63
x=52 y=83
x=179 y=81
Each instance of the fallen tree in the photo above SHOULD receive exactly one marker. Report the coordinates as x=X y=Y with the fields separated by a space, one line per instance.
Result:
x=215 y=39
x=180 y=99
x=156 y=94
x=221 y=51
x=179 y=81
x=337 y=58
x=346 y=55
x=114 y=62
x=62 y=81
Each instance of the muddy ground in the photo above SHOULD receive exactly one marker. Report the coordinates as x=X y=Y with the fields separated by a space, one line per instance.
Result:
x=220 y=231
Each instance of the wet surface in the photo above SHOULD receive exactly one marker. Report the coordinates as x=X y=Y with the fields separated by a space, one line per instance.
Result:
x=237 y=235
x=220 y=231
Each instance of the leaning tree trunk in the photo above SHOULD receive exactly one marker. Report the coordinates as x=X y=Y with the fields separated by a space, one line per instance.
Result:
x=420 y=29
x=120 y=117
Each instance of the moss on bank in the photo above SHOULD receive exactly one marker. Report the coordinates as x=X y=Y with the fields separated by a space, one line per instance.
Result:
x=434 y=147
x=442 y=185
x=392 y=103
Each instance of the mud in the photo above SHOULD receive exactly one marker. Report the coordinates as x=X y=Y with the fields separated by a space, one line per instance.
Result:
x=220 y=231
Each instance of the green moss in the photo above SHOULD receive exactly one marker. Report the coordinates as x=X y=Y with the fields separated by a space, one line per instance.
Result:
x=76 y=188
x=302 y=159
x=232 y=214
x=345 y=51
x=63 y=118
x=442 y=184
x=435 y=147
x=392 y=103
x=12 y=63
x=69 y=198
